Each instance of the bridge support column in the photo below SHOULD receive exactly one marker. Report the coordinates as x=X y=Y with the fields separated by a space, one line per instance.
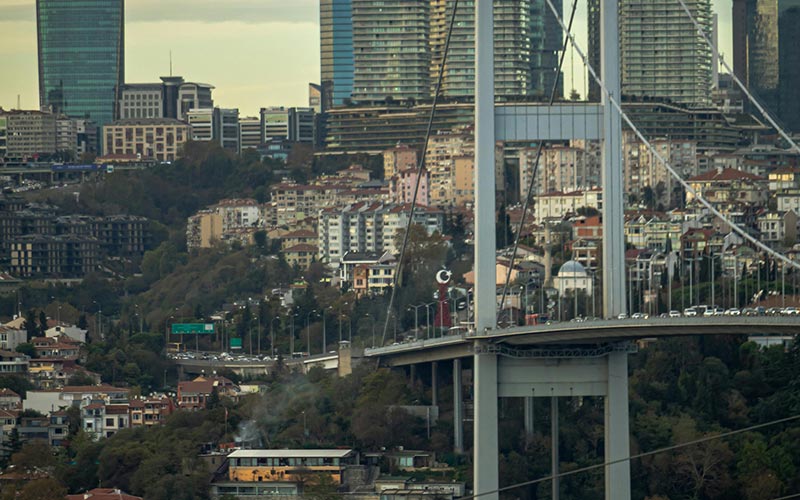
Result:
x=458 y=408
x=617 y=446
x=434 y=385
x=554 y=458
x=528 y=409
x=485 y=453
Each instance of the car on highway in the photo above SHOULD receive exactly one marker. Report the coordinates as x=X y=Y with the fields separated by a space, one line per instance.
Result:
x=732 y=312
x=789 y=311
x=690 y=312
x=640 y=316
x=674 y=314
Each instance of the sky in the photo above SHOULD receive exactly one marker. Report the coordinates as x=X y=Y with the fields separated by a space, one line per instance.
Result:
x=256 y=53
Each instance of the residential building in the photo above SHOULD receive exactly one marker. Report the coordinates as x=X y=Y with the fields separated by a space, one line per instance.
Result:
x=399 y=158
x=662 y=54
x=102 y=420
x=558 y=205
x=13 y=362
x=391 y=54
x=463 y=180
x=158 y=139
x=778 y=228
x=53 y=256
x=298 y=237
x=45 y=401
x=404 y=185
x=784 y=179
x=10 y=337
x=194 y=394
x=369 y=227
x=76 y=40
x=789 y=200
x=561 y=168
x=336 y=51
x=288 y=466
x=301 y=255
x=367 y=272
x=526 y=54
x=725 y=186
x=203 y=229
x=148 y=411
x=646 y=176
x=9 y=400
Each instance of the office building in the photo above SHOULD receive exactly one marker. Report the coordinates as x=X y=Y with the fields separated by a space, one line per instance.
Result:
x=662 y=55
x=249 y=132
x=204 y=123
x=288 y=124
x=158 y=139
x=193 y=96
x=392 y=57
x=229 y=129
x=336 y=51
x=28 y=134
x=755 y=47
x=81 y=57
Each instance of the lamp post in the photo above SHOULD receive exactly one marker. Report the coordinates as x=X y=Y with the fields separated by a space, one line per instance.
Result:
x=308 y=331
x=416 y=317
x=711 y=259
x=166 y=329
x=272 y=334
x=428 y=316
x=291 y=339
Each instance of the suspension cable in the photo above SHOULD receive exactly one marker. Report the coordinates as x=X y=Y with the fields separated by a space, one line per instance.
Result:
x=744 y=234
x=420 y=167
x=535 y=169
x=658 y=451
x=741 y=85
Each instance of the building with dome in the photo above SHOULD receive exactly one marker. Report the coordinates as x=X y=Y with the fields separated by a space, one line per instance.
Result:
x=573 y=276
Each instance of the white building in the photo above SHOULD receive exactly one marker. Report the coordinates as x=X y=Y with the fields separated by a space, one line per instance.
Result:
x=572 y=276
x=558 y=205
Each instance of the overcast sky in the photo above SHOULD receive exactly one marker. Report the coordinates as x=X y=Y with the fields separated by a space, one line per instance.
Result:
x=255 y=52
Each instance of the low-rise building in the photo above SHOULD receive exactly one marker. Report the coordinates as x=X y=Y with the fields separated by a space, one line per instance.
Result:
x=10 y=337
x=301 y=255
x=13 y=362
x=778 y=228
x=558 y=205
x=150 y=411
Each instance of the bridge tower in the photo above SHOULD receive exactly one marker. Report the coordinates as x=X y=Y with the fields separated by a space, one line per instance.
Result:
x=488 y=371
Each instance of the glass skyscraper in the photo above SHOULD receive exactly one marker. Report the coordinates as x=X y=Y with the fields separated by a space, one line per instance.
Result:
x=336 y=50
x=81 y=56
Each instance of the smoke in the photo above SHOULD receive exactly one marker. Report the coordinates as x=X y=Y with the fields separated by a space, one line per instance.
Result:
x=276 y=410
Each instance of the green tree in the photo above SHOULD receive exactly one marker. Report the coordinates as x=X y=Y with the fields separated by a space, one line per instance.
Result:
x=42 y=489
x=28 y=349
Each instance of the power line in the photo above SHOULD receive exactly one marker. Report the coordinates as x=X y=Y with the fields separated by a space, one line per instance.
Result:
x=642 y=455
x=744 y=234
x=420 y=167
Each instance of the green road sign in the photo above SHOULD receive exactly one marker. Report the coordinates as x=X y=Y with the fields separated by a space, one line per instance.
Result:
x=193 y=328
x=236 y=343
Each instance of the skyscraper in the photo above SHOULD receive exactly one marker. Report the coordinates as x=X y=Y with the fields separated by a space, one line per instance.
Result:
x=527 y=44
x=81 y=56
x=336 y=51
x=391 y=53
x=755 y=47
x=662 y=55
x=789 y=65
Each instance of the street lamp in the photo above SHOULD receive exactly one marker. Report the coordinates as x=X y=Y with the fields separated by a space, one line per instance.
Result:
x=428 y=317
x=272 y=334
x=308 y=331
x=416 y=317
x=711 y=259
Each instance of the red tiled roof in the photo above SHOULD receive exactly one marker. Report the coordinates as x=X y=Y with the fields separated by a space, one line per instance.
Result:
x=301 y=247
x=725 y=174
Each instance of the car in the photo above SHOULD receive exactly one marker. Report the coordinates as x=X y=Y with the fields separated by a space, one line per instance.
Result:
x=690 y=312
x=732 y=312
x=640 y=316
x=774 y=311
x=622 y=316
x=674 y=314
x=790 y=311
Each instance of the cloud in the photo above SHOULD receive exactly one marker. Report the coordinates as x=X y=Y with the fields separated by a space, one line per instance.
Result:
x=213 y=11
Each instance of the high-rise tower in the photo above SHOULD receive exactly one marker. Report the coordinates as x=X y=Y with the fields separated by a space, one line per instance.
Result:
x=662 y=54
x=336 y=51
x=81 y=56
x=527 y=44
x=755 y=47
x=391 y=53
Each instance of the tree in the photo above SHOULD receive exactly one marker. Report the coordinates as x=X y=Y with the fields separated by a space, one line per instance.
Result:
x=30 y=325
x=42 y=489
x=28 y=349
x=34 y=454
